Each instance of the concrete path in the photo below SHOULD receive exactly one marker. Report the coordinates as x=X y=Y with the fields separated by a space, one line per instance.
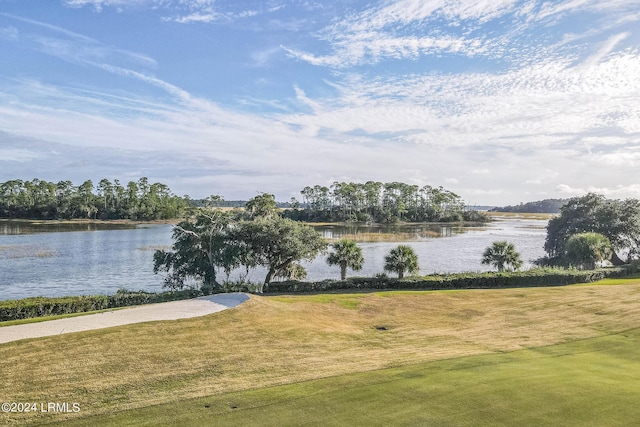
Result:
x=145 y=313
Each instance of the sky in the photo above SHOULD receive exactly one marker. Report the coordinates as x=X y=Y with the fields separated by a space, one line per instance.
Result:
x=499 y=101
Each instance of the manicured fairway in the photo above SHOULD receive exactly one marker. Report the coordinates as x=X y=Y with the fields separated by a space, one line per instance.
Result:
x=478 y=356
x=593 y=382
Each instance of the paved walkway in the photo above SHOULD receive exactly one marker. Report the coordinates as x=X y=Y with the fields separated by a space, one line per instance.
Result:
x=145 y=313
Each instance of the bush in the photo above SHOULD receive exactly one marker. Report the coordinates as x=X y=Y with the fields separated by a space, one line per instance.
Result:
x=493 y=280
x=41 y=306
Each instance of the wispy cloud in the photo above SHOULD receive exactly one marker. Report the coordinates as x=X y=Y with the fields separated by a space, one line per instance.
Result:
x=410 y=29
x=392 y=95
x=179 y=11
x=73 y=47
x=382 y=31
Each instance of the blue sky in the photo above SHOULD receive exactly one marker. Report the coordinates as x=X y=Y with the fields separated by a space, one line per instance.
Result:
x=501 y=101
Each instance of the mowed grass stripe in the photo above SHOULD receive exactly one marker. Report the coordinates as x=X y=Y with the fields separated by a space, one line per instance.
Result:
x=271 y=341
x=593 y=382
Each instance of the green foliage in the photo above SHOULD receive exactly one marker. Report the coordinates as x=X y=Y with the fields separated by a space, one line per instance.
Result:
x=503 y=256
x=263 y=206
x=618 y=220
x=277 y=243
x=584 y=250
x=38 y=199
x=490 y=280
x=346 y=254
x=380 y=202
x=199 y=248
x=293 y=271
x=542 y=206
x=400 y=260
x=213 y=242
x=41 y=306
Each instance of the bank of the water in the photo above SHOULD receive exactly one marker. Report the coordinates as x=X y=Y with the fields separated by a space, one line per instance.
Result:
x=89 y=261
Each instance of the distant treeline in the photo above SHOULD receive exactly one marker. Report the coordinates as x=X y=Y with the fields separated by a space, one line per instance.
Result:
x=221 y=203
x=542 y=206
x=38 y=199
x=380 y=202
x=369 y=202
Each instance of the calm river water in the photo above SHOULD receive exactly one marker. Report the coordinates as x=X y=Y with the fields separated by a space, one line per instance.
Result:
x=89 y=259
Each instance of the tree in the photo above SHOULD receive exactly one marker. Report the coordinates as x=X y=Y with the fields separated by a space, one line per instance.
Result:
x=294 y=271
x=618 y=220
x=263 y=206
x=199 y=248
x=503 y=256
x=401 y=259
x=346 y=254
x=276 y=243
x=584 y=250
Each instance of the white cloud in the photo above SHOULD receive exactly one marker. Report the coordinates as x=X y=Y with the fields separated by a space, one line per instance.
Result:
x=98 y=5
x=379 y=32
x=555 y=9
x=197 y=17
x=623 y=191
x=10 y=33
x=558 y=116
x=605 y=50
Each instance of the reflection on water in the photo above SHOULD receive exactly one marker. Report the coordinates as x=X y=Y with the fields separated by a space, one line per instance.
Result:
x=390 y=233
x=102 y=258
x=13 y=227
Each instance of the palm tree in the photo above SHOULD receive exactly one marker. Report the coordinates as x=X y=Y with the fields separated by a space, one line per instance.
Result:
x=401 y=259
x=584 y=250
x=503 y=256
x=347 y=255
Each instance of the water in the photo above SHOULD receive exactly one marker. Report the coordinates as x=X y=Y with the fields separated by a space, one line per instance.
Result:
x=93 y=260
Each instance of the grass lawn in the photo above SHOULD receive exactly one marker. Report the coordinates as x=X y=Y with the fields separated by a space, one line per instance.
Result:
x=592 y=382
x=524 y=356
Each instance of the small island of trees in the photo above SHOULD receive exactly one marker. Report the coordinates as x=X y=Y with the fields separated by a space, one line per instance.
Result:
x=589 y=231
x=39 y=199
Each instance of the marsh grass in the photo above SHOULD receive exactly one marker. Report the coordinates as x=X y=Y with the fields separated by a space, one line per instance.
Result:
x=25 y=251
x=273 y=341
x=389 y=237
x=521 y=215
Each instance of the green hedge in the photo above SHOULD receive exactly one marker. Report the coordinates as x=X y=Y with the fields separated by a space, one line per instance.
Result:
x=530 y=278
x=41 y=306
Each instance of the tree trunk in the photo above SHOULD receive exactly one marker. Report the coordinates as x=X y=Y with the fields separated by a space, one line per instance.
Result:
x=268 y=279
x=615 y=259
x=400 y=274
x=343 y=271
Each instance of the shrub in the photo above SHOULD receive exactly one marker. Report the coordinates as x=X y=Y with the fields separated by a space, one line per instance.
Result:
x=492 y=280
x=42 y=306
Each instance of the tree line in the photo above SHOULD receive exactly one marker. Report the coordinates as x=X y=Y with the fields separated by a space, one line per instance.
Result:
x=541 y=206
x=39 y=199
x=380 y=202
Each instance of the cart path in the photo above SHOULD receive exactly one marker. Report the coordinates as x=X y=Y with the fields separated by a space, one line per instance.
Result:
x=172 y=310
